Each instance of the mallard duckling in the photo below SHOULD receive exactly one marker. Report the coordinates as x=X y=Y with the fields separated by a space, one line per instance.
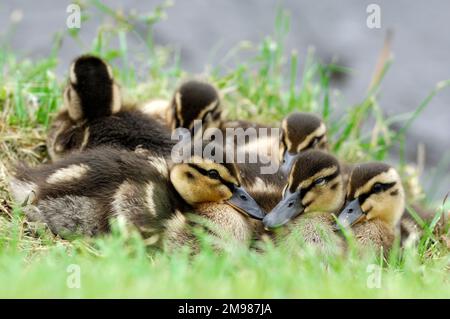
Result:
x=81 y=193
x=376 y=202
x=94 y=115
x=300 y=132
x=314 y=191
x=200 y=101
x=192 y=101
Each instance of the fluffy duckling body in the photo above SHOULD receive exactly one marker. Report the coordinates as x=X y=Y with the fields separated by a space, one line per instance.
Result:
x=314 y=191
x=200 y=101
x=196 y=102
x=81 y=193
x=94 y=115
x=376 y=202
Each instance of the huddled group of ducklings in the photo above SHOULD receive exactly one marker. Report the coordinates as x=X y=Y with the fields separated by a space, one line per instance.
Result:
x=112 y=161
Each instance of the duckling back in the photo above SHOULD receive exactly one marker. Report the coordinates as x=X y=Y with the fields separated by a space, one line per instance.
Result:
x=94 y=115
x=80 y=194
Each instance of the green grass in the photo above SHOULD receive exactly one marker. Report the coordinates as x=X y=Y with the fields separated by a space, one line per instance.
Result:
x=266 y=87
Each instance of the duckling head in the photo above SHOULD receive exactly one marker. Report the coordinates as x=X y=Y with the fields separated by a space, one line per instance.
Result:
x=91 y=92
x=202 y=180
x=374 y=192
x=314 y=185
x=195 y=100
x=300 y=132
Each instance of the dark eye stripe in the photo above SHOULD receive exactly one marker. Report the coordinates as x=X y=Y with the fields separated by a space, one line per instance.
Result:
x=199 y=169
x=216 y=115
x=328 y=178
x=311 y=143
x=362 y=198
x=204 y=172
x=216 y=105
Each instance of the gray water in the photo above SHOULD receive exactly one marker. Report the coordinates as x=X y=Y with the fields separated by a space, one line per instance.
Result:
x=205 y=30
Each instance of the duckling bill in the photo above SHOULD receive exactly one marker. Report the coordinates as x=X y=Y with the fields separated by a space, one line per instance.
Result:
x=314 y=185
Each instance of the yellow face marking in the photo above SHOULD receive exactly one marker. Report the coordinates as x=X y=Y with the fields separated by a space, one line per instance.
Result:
x=307 y=182
x=197 y=188
x=68 y=174
x=204 y=111
x=324 y=199
x=284 y=128
x=383 y=206
x=386 y=177
x=321 y=130
x=366 y=206
x=208 y=164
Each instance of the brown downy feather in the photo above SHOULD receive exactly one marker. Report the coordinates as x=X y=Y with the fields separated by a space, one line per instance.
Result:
x=94 y=115
x=80 y=194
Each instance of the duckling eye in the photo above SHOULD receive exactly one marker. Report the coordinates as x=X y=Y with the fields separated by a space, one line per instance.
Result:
x=214 y=174
x=377 y=188
x=320 y=181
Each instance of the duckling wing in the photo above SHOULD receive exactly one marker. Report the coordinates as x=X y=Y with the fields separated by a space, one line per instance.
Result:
x=130 y=129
